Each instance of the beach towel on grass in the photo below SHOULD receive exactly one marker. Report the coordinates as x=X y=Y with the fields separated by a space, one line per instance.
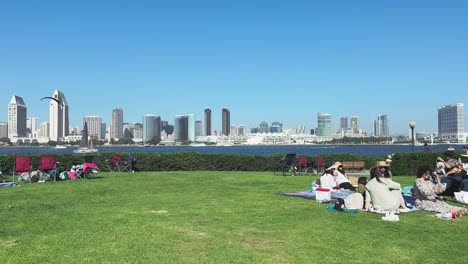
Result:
x=309 y=194
x=331 y=208
x=7 y=184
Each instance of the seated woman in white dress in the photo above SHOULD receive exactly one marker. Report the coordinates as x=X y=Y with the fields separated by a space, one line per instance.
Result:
x=341 y=180
x=328 y=178
x=426 y=194
x=384 y=194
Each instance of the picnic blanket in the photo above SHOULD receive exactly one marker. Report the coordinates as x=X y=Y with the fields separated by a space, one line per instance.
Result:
x=309 y=194
x=7 y=184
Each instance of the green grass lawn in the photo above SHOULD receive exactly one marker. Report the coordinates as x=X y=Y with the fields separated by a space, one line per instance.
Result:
x=209 y=217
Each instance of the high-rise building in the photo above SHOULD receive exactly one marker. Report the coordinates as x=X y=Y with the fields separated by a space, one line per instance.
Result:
x=198 y=128
x=451 y=122
x=32 y=127
x=181 y=128
x=324 y=125
x=263 y=127
x=94 y=126
x=151 y=128
x=207 y=121
x=300 y=129
x=58 y=117
x=167 y=128
x=191 y=127
x=344 y=123
x=276 y=127
x=103 y=130
x=44 y=130
x=381 y=127
x=117 y=123
x=17 y=113
x=3 y=130
x=226 y=121
x=355 y=124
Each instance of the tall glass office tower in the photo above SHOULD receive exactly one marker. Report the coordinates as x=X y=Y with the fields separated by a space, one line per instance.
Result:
x=151 y=128
x=381 y=127
x=355 y=124
x=207 y=121
x=94 y=126
x=226 y=121
x=451 y=122
x=117 y=123
x=324 y=125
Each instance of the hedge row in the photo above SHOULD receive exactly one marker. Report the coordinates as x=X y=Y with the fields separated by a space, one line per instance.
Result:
x=403 y=163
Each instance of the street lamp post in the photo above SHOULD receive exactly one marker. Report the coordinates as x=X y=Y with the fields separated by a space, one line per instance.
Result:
x=412 y=124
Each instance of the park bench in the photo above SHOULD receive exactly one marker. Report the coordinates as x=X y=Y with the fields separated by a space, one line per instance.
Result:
x=352 y=166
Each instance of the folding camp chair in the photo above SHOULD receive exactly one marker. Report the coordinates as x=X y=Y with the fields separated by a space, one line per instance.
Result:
x=303 y=165
x=320 y=164
x=118 y=164
x=23 y=169
x=47 y=167
x=287 y=164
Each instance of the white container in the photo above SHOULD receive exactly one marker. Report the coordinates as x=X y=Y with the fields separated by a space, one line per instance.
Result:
x=322 y=195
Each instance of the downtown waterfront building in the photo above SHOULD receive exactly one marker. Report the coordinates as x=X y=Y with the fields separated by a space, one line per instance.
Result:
x=151 y=128
x=324 y=125
x=117 y=123
x=226 y=122
x=58 y=117
x=3 y=130
x=181 y=128
x=344 y=123
x=17 y=118
x=94 y=126
x=381 y=127
x=355 y=124
x=207 y=121
x=451 y=122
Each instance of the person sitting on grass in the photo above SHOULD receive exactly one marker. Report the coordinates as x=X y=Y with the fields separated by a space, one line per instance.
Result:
x=454 y=179
x=383 y=193
x=327 y=180
x=341 y=180
x=426 y=194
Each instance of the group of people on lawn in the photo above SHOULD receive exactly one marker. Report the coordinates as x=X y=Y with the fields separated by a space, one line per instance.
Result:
x=381 y=193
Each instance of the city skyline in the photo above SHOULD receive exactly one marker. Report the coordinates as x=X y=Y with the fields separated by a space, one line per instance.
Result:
x=273 y=62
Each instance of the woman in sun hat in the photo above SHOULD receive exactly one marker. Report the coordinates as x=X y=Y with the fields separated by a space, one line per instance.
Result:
x=328 y=179
x=384 y=193
x=341 y=180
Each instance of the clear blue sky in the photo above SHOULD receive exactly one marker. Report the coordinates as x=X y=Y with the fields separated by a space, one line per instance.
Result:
x=264 y=60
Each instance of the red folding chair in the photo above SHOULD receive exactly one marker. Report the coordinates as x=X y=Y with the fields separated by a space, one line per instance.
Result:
x=118 y=164
x=23 y=167
x=320 y=164
x=48 y=167
x=303 y=165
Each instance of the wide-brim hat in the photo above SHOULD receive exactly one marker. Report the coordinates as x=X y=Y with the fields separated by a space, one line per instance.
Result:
x=440 y=159
x=334 y=166
x=382 y=164
x=338 y=164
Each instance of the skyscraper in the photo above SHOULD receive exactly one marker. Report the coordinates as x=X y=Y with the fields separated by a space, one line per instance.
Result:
x=151 y=128
x=276 y=127
x=117 y=123
x=355 y=124
x=344 y=123
x=226 y=121
x=181 y=128
x=451 y=122
x=263 y=127
x=198 y=128
x=381 y=127
x=3 y=130
x=17 y=113
x=32 y=127
x=324 y=125
x=58 y=116
x=207 y=121
x=94 y=126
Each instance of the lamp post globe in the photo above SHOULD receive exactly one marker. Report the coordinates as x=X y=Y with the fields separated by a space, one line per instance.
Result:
x=412 y=124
